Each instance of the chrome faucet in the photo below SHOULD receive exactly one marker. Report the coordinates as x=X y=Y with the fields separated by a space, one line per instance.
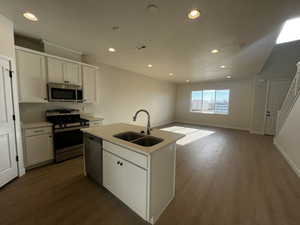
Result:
x=148 y=115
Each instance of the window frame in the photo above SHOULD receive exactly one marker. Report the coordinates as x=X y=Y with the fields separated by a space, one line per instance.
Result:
x=214 y=113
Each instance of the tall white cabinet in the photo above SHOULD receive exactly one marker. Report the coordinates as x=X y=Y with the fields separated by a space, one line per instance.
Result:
x=89 y=84
x=31 y=70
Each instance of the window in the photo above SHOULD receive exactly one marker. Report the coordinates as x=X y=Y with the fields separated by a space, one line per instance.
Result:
x=290 y=31
x=210 y=101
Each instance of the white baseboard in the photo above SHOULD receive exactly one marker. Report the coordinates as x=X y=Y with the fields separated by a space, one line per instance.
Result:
x=161 y=124
x=213 y=125
x=286 y=156
x=257 y=132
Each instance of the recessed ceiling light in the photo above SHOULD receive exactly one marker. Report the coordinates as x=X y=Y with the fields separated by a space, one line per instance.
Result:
x=171 y=74
x=150 y=65
x=194 y=14
x=214 y=51
x=223 y=66
x=228 y=77
x=152 y=8
x=188 y=81
x=112 y=50
x=30 y=16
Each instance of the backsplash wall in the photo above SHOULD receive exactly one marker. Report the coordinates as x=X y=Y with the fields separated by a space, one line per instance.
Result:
x=36 y=112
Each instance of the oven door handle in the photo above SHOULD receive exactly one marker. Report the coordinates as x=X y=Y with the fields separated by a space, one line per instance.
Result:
x=69 y=129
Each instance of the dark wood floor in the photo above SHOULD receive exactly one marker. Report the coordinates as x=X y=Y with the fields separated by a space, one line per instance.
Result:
x=227 y=178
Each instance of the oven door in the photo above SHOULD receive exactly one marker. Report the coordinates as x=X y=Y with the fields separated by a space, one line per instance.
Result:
x=61 y=93
x=68 y=144
x=67 y=139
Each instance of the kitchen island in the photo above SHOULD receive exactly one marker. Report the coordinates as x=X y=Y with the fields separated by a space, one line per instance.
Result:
x=138 y=169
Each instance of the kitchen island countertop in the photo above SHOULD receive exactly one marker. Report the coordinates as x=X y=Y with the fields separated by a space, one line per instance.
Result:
x=107 y=133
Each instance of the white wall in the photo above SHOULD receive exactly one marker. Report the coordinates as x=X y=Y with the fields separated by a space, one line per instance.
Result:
x=120 y=94
x=240 y=104
x=6 y=37
x=288 y=140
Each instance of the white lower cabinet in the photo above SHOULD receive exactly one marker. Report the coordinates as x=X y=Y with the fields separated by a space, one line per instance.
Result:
x=144 y=182
x=126 y=181
x=38 y=144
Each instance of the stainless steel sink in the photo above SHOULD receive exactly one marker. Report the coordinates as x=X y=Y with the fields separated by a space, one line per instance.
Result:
x=148 y=141
x=138 y=138
x=129 y=136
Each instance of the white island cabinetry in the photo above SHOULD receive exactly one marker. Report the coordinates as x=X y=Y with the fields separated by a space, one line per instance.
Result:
x=142 y=177
x=119 y=175
x=146 y=184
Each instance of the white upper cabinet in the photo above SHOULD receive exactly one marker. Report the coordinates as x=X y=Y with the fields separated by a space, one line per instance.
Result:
x=72 y=74
x=31 y=71
x=55 y=70
x=89 y=84
x=60 y=71
x=36 y=69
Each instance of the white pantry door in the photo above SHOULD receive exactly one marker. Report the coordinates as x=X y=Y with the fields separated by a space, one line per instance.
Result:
x=277 y=90
x=8 y=164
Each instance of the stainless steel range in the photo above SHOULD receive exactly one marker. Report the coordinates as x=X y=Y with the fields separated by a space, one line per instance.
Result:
x=68 y=138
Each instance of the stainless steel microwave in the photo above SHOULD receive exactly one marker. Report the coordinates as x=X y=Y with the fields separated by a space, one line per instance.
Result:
x=64 y=93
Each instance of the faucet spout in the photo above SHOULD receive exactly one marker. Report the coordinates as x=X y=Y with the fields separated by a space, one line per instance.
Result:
x=148 y=115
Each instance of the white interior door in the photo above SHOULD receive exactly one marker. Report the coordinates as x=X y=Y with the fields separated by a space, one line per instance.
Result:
x=8 y=164
x=277 y=91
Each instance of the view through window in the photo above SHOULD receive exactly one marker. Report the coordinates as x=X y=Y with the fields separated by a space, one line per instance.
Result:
x=210 y=101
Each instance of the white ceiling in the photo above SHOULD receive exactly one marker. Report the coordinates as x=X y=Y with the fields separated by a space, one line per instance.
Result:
x=243 y=30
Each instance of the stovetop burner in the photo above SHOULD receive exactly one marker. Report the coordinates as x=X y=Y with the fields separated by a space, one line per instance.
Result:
x=66 y=118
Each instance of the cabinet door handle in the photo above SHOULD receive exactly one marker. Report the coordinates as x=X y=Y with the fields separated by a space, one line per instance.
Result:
x=118 y=163
x=121 y=164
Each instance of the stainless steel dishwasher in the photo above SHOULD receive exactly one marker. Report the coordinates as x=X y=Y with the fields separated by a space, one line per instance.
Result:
x=93 y=158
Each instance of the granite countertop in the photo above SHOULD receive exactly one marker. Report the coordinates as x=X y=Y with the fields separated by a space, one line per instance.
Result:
x=107 y=133
x=31 y=125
